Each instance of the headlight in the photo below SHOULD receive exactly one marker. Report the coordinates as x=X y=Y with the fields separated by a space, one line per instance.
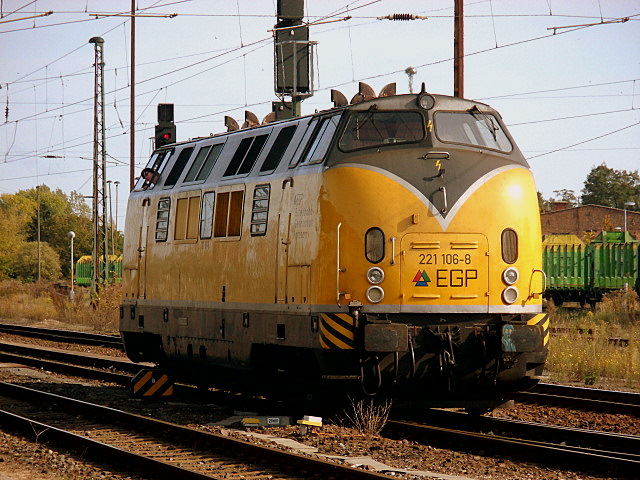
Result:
x=510 y=295
x=375 y=294
x=426 y=101
x=510 y=275
x=375 y=275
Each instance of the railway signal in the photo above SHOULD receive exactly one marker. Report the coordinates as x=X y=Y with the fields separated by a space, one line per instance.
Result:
x=165 y=132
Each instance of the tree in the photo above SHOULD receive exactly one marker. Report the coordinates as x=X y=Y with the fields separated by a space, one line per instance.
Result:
x=15 y=215
x=60 y=214
x=544 y=204
x=25 y=262
x=611 y=188
x=565 y=195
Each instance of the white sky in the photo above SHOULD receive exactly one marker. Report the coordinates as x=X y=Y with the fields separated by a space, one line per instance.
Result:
x=571 y=100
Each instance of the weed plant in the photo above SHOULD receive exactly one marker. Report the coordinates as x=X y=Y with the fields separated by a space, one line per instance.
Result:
x=367 y=417
x=601 y=347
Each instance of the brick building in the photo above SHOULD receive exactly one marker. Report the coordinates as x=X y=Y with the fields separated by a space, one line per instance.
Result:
x=588 y=218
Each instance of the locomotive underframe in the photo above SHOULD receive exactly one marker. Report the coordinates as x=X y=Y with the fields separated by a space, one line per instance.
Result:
x=439 y=357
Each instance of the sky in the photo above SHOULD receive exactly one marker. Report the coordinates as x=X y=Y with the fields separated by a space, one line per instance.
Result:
x=564 y=75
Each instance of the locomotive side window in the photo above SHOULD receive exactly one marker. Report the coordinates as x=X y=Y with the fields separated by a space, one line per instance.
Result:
x=372 y=129
x=206 y=219
x=202 y=165
x=260 y=210
x=472 y=128
x=178 y=167
x=186 y=225
x=322 y=136
x=228 y=214
x=245 y=156
x=197 y=163
x=204 y=172
x=162 y=219
x=278 y=148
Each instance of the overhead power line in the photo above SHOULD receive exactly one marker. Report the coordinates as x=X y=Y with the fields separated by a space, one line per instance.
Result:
x=585 y=141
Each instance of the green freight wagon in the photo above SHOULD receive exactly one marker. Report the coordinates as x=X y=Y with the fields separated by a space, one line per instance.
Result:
x=84 y=269
x=584 y=273
x=613 y=258
x=563 y=261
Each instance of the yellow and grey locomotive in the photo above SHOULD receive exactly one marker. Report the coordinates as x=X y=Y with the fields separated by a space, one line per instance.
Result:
x=390 y=245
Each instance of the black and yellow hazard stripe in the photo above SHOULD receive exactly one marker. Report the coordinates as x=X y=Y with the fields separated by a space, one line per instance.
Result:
x=542 y=319
x=151 y=383
x=337 y=331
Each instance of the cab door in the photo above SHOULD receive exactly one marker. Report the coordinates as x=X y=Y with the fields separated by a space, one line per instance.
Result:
x=139 y=283
x=284 y=240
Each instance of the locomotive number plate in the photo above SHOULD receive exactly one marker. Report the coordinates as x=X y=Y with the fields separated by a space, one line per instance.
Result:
x=445 y=267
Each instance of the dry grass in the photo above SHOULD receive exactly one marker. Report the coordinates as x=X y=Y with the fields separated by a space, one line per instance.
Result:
x=593 y=347
x=44 y=302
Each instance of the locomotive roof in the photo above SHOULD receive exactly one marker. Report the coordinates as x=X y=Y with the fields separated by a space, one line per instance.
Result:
x=390 y=102
x=232 y=164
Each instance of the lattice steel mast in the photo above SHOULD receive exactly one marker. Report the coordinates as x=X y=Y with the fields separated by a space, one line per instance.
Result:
x=100 y=236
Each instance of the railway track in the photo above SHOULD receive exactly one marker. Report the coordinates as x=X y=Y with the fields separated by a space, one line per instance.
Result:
x=153 y=447
x=97 y=367
x=593 y=451
x=68 y=336
x=587 y=450
x=592 y=399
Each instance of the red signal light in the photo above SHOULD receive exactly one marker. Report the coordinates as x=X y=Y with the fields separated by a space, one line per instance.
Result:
x=166 y=136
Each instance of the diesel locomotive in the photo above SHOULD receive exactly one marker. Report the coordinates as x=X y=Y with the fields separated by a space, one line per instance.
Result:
x=389 y=245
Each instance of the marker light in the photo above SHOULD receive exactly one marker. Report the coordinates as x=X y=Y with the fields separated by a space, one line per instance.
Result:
x=426 y=101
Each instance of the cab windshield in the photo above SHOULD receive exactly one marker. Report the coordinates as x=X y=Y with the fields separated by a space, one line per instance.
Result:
x=472 y=127
x=371 y=128
x=156 y=163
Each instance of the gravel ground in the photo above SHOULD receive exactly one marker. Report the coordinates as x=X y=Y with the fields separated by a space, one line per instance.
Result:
x=26 y=459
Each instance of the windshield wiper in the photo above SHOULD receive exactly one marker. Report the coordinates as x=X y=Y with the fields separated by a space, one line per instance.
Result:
x=488 y=120
x=368 y=118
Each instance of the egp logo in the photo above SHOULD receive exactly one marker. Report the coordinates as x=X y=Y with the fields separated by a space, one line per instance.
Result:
x=421 y=279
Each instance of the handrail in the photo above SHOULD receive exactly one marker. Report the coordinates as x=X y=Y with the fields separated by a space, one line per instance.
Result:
x=393 y=250
x=443 y=189
x=544 y=282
